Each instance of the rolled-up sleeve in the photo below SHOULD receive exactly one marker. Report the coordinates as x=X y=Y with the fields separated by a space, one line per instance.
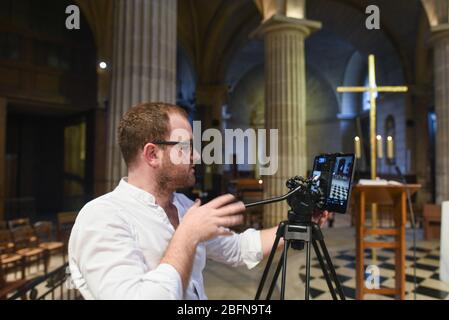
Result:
x=237 y=249
x=112 y=266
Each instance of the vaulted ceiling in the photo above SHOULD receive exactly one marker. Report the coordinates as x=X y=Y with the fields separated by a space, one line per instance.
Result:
x=213 y=31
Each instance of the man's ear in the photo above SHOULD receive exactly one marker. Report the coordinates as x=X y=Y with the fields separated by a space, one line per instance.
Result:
x=151 y=155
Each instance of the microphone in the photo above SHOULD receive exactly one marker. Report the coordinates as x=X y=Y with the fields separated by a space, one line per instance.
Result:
x=398 y=171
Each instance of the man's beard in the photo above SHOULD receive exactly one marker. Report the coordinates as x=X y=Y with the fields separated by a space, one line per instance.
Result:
x=174 y=177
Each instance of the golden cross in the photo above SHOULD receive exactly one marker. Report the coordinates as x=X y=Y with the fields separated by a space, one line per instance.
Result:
x=372 y=89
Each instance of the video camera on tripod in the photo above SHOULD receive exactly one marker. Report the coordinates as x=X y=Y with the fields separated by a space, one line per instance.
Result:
x=328 y=188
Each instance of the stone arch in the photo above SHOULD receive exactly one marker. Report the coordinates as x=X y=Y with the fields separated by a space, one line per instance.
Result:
x=323 y=125
x=246 y=58
x=354 y=75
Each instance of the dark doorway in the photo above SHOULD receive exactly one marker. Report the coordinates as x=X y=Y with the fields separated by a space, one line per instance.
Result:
x=48 y=164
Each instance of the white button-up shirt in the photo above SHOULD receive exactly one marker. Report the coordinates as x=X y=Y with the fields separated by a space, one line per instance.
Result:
x=119 y=239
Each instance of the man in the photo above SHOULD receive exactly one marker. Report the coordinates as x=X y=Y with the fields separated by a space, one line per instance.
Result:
x=145 y=241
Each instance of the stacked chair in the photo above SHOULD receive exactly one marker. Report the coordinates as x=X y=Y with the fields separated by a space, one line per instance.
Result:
x=24 y=245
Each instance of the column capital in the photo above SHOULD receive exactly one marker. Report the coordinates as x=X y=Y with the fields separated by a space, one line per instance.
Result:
x=283 y=23
x=439 y=32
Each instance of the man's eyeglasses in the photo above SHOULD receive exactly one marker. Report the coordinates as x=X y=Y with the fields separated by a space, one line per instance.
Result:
x=186 y=146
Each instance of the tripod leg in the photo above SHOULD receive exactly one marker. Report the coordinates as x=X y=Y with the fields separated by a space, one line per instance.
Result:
x=275 y=277
x=324 y=269
x=284 y=268
x=307 y=293
x=332 y=269
x=267 y=267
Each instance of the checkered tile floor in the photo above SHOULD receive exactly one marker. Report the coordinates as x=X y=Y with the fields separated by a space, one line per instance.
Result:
x=428 y=284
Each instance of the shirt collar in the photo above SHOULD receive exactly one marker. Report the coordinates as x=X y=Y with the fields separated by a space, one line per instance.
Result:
x=137 y=193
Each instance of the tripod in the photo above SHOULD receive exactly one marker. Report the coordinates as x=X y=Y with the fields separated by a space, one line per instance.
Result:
x=298 y=235
x=299 y=231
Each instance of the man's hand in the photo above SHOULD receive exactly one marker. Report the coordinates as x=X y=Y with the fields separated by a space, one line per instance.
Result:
x=320 y=217
x=201 y=223
x=204 y=222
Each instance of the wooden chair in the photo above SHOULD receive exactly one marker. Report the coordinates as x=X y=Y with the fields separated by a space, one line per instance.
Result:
x=66 y=220
x=26 y=245
x=9 y=259
x=18 y=223
x=432 y=221
x=8 y=287
x=43 y=231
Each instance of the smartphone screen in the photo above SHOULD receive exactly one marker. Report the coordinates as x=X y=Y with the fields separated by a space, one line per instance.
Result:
x=337 y=171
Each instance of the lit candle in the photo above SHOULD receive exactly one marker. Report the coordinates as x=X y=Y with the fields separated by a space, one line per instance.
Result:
x=358 y=149
x=390 y=147
x=379 y=147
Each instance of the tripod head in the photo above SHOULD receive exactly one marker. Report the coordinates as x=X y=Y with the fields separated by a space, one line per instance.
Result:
x=310 y=196
x=306 y=195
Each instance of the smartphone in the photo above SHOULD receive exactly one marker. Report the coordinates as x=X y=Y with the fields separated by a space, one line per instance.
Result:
x=336 y=173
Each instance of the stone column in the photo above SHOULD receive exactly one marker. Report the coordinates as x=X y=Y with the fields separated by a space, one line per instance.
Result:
x=441 y=82
x=144 y=65
x=285 y=103
x=2 y=157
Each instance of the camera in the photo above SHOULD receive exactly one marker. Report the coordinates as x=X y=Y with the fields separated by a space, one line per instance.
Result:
x=328 y=188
